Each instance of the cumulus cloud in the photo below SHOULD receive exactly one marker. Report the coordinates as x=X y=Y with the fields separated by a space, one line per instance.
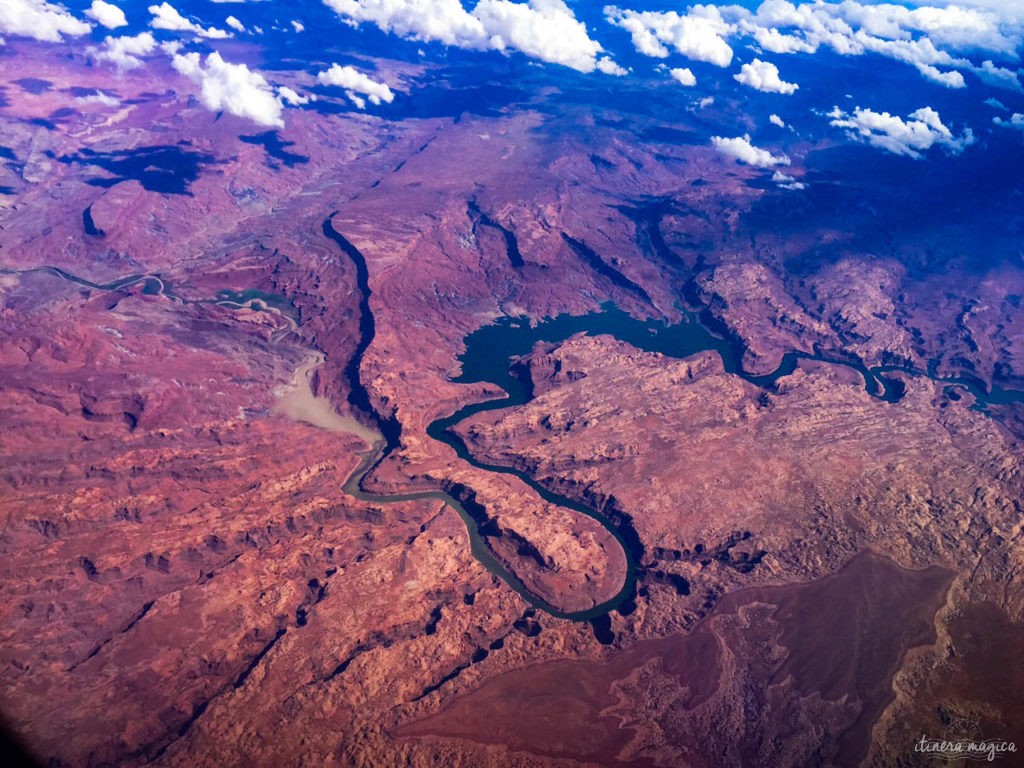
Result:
x=699 y=34
x=774 y=41
x=233 y=88
x=776 y=120
x=609 y=67
x=125 y=52
x=1009 y=11
x=953 y=26
x=939 y=39
x=785 y=181
x=543 y=29
x=235 y=24
x=683 y=76
x=950 y=78
x=922 y=54
x=1016 y=120
x=999 y=77
x=853 y=24
x=107 y=14
x=298 y=26
x=166 y=16
x=358 y=86
x=39 y=20
x=444 y=21
x=292 y=97
x=741 y=150
x=764 y=76
x=99 y=97
x=912 y=137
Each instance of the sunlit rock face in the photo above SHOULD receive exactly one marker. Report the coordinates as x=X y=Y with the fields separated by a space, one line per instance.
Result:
x=510 y=384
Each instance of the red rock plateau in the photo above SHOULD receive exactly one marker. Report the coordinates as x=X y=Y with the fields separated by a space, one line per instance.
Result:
x=822 y=575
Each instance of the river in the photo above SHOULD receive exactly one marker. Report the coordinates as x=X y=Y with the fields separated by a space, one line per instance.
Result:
x=488 y=356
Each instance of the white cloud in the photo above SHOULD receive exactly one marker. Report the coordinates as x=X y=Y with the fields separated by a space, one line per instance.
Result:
x=606 y=65
x=699 y=34
x=298 y=26
x=743 y=151
x=289 y=96
x=771 y=39
x=40 y=20
x=99 y=97
x=107 y=14
x=920 y=54
x=166 y=16
x=787 y=182
x=950 y=78
x=235 y=24
x=231 y=87
x=776 y=120
x=939 y=38
x=954 y=27
x=912 y=137
x=1016 y=120
x=999 y=77
x=543 y=29
x=445 y=21
x=996 y=104
x=1008 y=11
x=357 y=85
x=644 y=38
x=764 y=76
x=124 y=52
x=683 y=76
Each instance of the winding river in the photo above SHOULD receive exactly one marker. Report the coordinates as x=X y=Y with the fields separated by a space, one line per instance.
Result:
x=155 y=285
x=488 y=358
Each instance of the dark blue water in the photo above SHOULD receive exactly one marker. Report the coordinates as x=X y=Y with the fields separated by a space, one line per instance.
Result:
x=489 y=349
x=89 y=225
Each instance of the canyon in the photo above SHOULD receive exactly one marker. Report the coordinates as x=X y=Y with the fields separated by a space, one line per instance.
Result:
x=518 y=439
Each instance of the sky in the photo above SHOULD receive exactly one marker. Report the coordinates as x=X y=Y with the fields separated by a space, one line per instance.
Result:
x=800 y=64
